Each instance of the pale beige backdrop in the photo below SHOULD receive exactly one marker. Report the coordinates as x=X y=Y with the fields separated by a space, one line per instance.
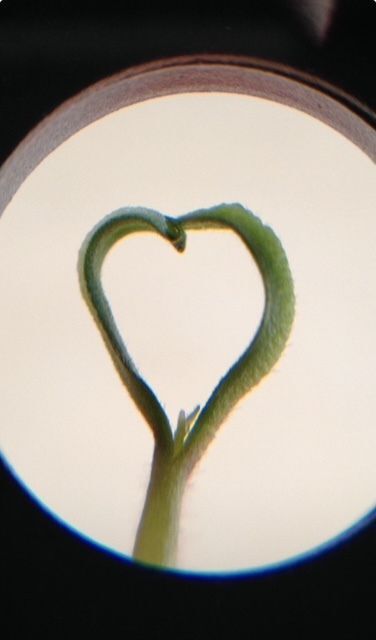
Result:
x=294 y=464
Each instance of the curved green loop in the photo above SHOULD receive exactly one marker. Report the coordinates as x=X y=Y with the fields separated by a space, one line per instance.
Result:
x=112 y=228
x=253 y=364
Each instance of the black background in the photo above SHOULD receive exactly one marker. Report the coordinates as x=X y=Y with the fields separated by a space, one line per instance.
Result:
x=56 y=584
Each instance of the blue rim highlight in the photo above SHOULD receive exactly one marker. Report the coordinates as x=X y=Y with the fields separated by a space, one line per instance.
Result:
x=256 y=572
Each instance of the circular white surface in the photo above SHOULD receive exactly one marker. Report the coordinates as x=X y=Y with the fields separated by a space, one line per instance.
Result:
x=294 y=464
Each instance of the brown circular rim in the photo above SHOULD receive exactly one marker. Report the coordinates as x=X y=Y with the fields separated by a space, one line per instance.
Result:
x=190 y=74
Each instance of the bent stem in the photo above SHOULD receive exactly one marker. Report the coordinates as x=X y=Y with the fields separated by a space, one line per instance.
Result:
x=176 y=455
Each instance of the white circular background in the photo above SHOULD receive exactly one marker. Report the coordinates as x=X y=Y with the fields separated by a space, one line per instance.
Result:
x=293 y=466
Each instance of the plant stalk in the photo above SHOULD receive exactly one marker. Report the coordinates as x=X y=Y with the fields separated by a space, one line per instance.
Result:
x=157 y=534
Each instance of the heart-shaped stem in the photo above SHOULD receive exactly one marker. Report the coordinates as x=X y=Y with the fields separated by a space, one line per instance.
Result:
x=176 y=455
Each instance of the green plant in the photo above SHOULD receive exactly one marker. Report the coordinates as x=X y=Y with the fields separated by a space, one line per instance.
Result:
x=176 y=454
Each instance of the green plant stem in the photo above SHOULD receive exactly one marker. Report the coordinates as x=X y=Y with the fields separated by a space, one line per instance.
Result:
x=157 y=535
x=176 y=455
